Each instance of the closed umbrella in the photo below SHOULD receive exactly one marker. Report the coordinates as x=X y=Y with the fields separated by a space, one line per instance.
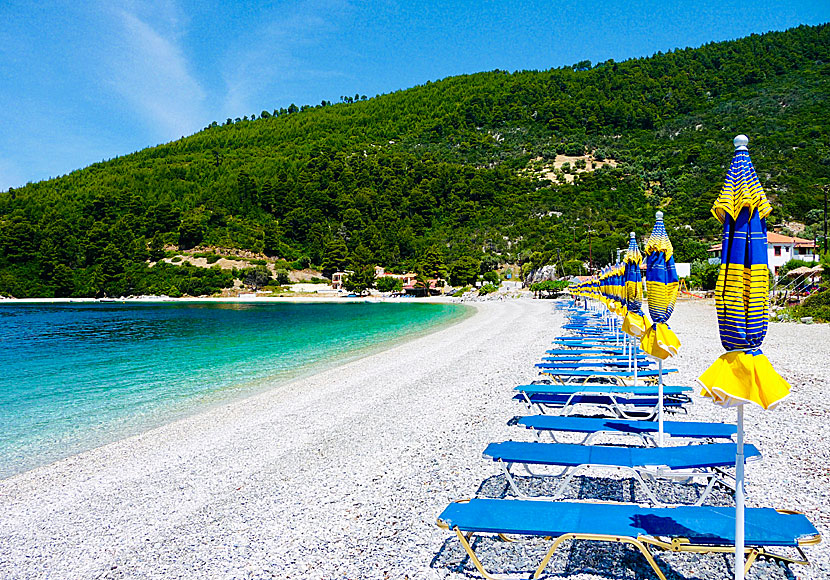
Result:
x=743 y=374
x=662 y=283
x=635 y=322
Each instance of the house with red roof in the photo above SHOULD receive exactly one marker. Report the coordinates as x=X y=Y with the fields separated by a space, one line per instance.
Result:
x=781 y=249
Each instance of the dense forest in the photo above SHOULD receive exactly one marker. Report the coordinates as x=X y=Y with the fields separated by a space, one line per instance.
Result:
x=462 y=169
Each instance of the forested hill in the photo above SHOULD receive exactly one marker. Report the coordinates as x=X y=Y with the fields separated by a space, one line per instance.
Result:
x=469 y=168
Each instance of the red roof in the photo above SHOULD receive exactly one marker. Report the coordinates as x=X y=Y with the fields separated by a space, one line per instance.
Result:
x=773 y=238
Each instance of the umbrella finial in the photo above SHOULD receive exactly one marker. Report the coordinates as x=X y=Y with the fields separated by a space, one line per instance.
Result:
x=741 y=141
x=659 y=215
x=632 y=235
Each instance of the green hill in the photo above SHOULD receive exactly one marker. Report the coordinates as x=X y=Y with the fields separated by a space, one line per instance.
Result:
x=466 y=165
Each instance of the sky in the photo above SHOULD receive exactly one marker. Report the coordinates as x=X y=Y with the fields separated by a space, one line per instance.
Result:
x=85 y=81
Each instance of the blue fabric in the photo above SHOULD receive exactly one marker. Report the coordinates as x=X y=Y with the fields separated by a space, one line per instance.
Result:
x=623 y=374
x=579 y=351
x=705 y=525
x=628 y=400
x=661 y=274
x=641 y=390
x=633 y=277
x=572 y=454
x=743 y=324
x=690 y=429
x=571 y=364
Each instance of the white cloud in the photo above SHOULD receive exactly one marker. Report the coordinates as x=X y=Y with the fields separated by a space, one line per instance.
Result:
x=150 y=70
x=263 y=62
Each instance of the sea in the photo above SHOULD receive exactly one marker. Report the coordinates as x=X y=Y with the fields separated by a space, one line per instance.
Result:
x=74 y=376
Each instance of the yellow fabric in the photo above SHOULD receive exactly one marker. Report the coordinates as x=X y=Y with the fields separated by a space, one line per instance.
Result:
x=659 y=340
x=738 y=377
x=634 y=324
x=741 y=189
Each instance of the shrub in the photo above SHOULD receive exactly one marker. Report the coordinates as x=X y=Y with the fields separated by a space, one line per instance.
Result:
x=817 y=306
x=487 y=289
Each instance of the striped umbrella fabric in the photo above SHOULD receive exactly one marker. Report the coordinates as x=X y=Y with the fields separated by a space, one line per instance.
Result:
x=635 y=322
x=662 y=283
x=743 y=374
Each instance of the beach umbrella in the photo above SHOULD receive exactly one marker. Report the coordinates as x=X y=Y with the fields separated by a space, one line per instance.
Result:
x=635 y=322
x=661 y=281
x=743 y=374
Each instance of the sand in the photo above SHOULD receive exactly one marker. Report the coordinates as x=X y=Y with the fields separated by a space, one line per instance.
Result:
x=342 y=474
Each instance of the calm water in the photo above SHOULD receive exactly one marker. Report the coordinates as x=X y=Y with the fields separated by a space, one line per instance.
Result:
x=75 y=376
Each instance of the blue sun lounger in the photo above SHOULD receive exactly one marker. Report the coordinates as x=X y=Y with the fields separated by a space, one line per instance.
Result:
x=578 y=364
x=601 y=351
x=620 y=400
x=570 y=375
x=644 y=430
x=566 y=356
x=695 y=529
x=683 y=462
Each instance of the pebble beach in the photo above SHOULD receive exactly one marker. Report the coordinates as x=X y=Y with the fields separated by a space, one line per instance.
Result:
x=342 y=474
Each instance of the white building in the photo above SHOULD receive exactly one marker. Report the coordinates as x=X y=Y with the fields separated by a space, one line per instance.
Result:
x=781 y=249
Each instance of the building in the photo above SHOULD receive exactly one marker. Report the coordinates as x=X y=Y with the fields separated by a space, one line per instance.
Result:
x=781 y=249
x=338 y=278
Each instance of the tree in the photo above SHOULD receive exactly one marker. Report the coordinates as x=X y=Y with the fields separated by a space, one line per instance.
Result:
x=464 y=271
x=156 y=247
x=431 y=264
x=389 y=284
x=257 y=277
x=361 y=280
x=335 y=257
x=191 y=231
x=282 y=277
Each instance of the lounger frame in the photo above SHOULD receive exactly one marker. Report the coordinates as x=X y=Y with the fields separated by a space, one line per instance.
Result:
x=642 y=543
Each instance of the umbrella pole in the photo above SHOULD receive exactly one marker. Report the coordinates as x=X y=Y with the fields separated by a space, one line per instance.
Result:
x=739 y=498
x=660 y=402
x=634 y=357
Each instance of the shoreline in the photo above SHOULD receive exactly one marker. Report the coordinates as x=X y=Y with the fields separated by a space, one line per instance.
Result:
x=342 y=473
x=232 y=393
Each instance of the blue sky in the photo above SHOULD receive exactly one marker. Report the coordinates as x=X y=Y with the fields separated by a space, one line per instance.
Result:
x=89 y=80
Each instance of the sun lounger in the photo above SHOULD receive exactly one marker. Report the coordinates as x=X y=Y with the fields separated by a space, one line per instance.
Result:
x=695 y=529
x=621 y=400
x=643 y=430
x=578 y=355
x=600 y=351
x=599 y=364
x=679 y=463
x=571 y=375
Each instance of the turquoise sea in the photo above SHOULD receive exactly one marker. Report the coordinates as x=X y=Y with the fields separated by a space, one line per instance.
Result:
x=76 y=376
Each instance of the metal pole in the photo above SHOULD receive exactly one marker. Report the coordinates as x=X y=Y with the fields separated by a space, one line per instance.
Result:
x=660 y=402
x=739 y=498
x=634 y=357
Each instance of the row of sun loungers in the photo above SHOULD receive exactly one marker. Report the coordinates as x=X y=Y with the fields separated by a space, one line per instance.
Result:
x=588 y=372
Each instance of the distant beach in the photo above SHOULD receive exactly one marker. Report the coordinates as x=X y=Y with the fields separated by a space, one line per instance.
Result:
x=341 y=474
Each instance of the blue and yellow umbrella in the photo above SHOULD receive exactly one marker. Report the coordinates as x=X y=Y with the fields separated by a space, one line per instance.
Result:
x=743 y=374
x=634 y=323
x=662 y=283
